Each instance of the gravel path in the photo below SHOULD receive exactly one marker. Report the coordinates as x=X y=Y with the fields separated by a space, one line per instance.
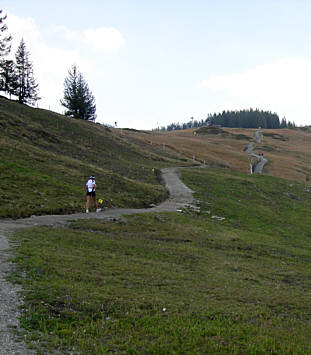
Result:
x=179 y=196
x=261 y=161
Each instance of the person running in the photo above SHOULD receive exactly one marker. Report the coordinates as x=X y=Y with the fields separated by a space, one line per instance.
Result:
x=90 y=192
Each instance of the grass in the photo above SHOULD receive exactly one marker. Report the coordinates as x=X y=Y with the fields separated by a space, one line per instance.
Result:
x=45 y=159
x=177 y=283
x=288 y=150
x=259 y=203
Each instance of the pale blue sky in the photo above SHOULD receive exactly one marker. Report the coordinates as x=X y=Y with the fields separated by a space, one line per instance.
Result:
x=152 y=63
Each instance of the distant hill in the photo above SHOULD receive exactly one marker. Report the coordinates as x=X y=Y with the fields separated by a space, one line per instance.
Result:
x=288 y=150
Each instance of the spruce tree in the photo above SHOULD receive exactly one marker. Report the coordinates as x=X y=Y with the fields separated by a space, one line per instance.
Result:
x=5 y=41
x=8 y=77
x=283 y=123
x=26 y=86
x=78 y=99
x=6 y=66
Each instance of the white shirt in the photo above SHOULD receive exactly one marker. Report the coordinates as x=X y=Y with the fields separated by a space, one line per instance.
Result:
x=90 y=185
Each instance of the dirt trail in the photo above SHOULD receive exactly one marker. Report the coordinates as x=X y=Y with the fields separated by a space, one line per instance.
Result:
x=179 y=196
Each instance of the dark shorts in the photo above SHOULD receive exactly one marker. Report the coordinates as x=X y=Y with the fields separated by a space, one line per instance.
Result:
x=92 y=193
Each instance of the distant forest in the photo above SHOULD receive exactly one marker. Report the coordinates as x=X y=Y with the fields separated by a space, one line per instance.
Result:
x=235 y=119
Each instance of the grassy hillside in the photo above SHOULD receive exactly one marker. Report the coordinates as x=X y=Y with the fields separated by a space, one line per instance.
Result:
x=45 y=159
x=288 y=151
x=231 y=279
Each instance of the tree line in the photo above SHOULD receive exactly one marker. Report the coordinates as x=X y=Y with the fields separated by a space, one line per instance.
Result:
x=235 y=119
x=17 y=79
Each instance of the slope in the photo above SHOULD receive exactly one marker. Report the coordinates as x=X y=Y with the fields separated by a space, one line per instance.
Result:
x=287 y=150
x=45 y=159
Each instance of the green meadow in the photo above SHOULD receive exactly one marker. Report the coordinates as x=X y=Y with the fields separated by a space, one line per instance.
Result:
x=45 y=159
x=234 y=278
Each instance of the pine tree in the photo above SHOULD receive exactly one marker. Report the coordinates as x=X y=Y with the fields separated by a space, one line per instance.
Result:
x=6 y=66
x=78 y=99
x=283 y=123
x=26 y=86
x=5 y=41
x=8 y=77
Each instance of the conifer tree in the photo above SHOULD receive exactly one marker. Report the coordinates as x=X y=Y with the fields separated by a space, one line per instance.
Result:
x=78 y=99
x=5 y=41
x=283 y=123
x=26 y=86
x=6 y=66
x=8 y=77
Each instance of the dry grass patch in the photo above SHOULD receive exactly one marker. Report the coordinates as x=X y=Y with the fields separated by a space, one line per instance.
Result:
x=288 y=151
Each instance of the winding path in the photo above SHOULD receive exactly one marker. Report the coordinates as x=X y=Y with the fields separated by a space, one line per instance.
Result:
x=179 y=196
x=261 y=161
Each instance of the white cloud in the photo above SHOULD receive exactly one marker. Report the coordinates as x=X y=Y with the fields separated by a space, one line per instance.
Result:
x=22 y=28
x=106 y=39
x=283 y=87
x=68 y=34
x=102 y=39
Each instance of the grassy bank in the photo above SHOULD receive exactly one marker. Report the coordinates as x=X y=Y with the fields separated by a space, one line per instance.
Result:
x=184 y=283
x=45 y=159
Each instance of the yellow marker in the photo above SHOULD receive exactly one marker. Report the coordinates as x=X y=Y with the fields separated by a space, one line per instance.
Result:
x=100 y=200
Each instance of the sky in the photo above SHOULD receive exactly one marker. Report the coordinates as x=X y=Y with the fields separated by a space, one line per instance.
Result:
x=151 y=63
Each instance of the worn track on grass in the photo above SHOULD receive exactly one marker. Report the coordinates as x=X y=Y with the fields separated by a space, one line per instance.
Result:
x=179 y=196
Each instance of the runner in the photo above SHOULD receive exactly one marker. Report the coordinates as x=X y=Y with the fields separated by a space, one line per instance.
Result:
x=90 y=191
